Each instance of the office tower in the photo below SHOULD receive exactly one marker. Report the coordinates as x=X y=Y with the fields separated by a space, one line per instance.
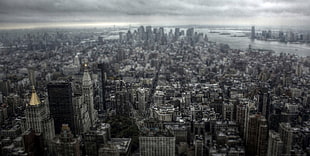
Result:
x=177 y=33
x=264 y=102
x=102 y=89
x=32 y=143
x=122 y=103
x=257 y=134
x=96 y=138
x=275 y=144
x=161 y=35
x=81 y=116
x=61 y=105
x=253 y=33
x=121 y=36
x=198 y=146
x=286 y=135
x=149 y=33
x=157 y=146
x=88 y=96
x=228 y=111
x=250 y=110
x=38 y=117
x=65 y=144
x=32 y=76
x=141 y=33
x=141 y=99
x=190 y=32
x=240 y=117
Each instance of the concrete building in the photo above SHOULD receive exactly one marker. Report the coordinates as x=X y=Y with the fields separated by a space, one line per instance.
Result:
x=275 y=144
x=257 y=134
x=157 y=146
x=65 y=144
x=228 y=111
x=286 y=135
x=38 y=117
x=88 y=96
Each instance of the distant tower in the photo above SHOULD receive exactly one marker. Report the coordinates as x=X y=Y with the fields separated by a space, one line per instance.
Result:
x=76 y=61
x=88 y=95
x=31 y=76
x=253 y=33
x=38 y=117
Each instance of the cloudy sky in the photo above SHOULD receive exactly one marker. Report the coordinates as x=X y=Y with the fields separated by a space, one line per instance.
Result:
x=34 y=13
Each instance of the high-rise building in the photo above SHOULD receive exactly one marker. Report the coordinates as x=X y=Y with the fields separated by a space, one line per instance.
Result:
x=240 y=117
x=88 y=96
x=157 y=146
x=228 y=111
x=253 y=33
x=141 y=99
x=257 y=134
x=61 y=105
x=96 y=138
x=32 y=76
x=81 y=116
x=177 y=33
x=149 y=34
x=102 y=89
x=198 y=146
x=65 y=144
x=38 y=117
x=275 y=144
x=286 y=135
x=141 y=33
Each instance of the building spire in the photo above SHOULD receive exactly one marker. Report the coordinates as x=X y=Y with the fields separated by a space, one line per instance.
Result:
x=35 y=100
x=86 y=77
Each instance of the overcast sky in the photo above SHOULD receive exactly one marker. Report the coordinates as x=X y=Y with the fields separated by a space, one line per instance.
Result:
x=27 y=13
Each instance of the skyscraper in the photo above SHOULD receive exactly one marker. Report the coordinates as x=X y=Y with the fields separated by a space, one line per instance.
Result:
x=275 y=144
x=60 y=103
x=257 y=135
x=38 y=117
x=286 y=135
x=253 y=32
x=88 y=96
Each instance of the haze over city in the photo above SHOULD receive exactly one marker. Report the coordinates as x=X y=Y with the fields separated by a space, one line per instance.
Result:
x=154 y=78
x=57 y=13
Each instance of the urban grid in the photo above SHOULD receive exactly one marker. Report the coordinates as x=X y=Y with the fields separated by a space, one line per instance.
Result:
x=150 y=93
x=154 y=78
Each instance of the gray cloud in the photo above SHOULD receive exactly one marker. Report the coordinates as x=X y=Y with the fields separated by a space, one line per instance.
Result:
x=42 y=11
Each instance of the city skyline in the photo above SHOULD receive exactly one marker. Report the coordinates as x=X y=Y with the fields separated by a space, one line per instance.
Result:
x=34 y=13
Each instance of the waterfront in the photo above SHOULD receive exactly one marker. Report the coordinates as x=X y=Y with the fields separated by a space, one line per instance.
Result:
x=244 y=42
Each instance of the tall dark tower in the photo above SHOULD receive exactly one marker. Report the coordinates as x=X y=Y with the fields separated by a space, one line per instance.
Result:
x=102 y=91
x=253 y=33
x=60 y=103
